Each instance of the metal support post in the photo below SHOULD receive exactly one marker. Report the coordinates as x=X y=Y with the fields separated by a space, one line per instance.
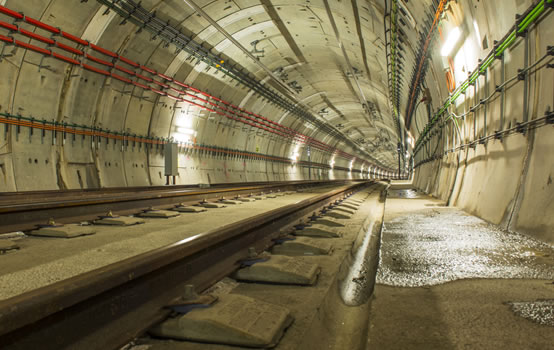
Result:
x=526 y=80
x=475 y=88
x=399 y=155
x=485 y=103
x=502 y=92
x=309 y=164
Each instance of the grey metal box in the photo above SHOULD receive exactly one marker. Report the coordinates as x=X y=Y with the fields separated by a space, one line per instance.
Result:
x=171 y=159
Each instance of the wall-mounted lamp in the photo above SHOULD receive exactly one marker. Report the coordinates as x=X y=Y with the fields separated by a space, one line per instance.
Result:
x=186 y=131
x=451 y=41
x=184 y=135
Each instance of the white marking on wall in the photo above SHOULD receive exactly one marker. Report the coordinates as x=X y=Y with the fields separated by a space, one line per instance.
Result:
x=251 y=92
x=244 y=33
x=228 y=20
x=176 y=64
x=98 y=25
x=204 y=35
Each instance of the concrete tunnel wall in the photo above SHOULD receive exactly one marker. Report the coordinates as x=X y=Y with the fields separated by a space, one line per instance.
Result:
x=506 y=182
x=71 y=94
x=509 y=181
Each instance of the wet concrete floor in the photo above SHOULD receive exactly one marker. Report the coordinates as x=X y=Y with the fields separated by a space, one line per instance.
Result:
x=448 y=280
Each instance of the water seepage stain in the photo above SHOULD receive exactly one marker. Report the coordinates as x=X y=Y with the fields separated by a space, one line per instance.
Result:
x=539 y=311
x=410 y=194
x=435 y=246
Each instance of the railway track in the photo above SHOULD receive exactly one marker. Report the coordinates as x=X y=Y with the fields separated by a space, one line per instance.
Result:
x=22 y=211
x=107 y=307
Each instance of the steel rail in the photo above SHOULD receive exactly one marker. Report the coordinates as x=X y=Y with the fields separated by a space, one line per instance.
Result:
x=107 y=307
x=6 y=196
x=20 y=214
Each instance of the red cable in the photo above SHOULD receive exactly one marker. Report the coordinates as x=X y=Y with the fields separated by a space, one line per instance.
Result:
x=289 y=132
x=425 y=47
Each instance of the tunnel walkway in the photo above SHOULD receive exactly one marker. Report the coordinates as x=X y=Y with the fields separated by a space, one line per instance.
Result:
x=449 y=280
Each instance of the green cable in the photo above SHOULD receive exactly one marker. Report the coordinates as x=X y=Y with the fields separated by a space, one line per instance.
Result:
x=487 y=63
x=509 y=40
x=525 y=23
x=531 y=16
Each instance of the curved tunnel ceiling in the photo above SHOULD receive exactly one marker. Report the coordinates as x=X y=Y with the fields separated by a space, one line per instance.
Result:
x=317 y=67
x=301 y=43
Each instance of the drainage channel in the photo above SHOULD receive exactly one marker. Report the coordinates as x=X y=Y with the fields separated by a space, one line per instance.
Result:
x=104 y=308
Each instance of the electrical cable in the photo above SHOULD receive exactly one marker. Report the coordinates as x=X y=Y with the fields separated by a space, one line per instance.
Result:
x=531 y=16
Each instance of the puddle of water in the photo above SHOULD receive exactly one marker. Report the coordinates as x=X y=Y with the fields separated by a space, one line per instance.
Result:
x=439 y=246
x=539 y=311
x=403 y=194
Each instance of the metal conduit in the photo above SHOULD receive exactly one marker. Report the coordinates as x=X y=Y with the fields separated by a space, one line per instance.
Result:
x=530 y=16
x=289 y=133
x=133 y=12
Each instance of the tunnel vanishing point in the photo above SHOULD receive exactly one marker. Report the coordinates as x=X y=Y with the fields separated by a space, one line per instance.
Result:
x=457 y=95
x=451 y=100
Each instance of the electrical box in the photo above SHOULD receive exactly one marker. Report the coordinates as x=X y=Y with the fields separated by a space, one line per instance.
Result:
x=171 y=159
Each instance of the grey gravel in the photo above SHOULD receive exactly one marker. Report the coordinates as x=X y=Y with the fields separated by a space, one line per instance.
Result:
x=540 y=311
x=440 y=245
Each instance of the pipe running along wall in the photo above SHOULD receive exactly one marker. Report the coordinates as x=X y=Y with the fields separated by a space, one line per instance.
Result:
x=96 y=59
x=488 y=148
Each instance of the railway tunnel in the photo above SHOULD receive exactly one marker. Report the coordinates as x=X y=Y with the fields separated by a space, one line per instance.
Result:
x=393 y=156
